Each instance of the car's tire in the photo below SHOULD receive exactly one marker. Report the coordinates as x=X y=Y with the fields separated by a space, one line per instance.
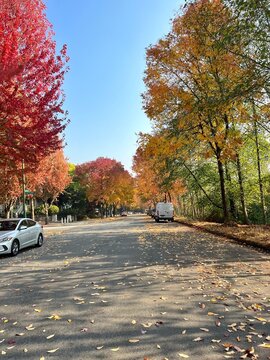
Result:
x=172 y=219
x=40 y=240
x=15 y=247
x=157 y=219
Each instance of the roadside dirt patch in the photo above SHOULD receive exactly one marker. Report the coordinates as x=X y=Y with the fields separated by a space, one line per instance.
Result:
x=255 y=235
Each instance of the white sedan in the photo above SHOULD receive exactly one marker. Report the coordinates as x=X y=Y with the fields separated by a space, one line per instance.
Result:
x=16 y=234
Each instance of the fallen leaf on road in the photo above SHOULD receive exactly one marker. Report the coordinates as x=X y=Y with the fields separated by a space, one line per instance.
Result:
x=147 y=325
x=85 y=329
x=52 y=351
x=30 y=327
x=183 y=355
x=54 y=317
x=115 y=349
x=261 y=319
x=99 y=347
x=133 y=340
x=11 y=342
x=50 y=336
x=198 y=339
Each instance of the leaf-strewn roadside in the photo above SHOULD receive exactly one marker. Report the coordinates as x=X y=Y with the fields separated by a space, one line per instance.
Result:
x=254 y=235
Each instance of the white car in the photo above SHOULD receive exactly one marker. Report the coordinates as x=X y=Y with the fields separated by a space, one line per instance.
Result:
x=16 y=234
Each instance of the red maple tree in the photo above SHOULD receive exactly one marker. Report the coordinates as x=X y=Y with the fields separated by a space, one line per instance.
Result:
x=107 y=183
x=31 y=77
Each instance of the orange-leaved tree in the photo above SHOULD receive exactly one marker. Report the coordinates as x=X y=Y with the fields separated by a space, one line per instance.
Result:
x=155 y=180
x=50 y=179
x=196 y=88
x=107 y=183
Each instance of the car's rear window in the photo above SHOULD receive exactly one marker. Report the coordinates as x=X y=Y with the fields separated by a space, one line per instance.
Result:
x=8 y=225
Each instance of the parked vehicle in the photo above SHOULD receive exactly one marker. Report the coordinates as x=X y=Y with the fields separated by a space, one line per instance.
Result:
x=16 y=234
x=164 y=211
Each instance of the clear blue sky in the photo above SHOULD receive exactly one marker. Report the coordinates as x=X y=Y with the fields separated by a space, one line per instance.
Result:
x=106 y=42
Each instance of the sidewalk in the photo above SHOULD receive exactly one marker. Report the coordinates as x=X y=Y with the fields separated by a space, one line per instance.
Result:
x=56 y=228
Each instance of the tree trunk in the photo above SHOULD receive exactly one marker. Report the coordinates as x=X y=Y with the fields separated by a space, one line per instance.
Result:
x=242 y=194
x=222 y=189
x=7 y=214
x=46 y=206
x=230 y=194
x=259 y=167
x=32 y=208
x=101 y=210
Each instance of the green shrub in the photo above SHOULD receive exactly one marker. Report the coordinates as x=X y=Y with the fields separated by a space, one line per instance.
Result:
x=53 y=210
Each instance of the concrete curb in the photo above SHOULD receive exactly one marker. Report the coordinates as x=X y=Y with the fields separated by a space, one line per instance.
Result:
x=226 y=236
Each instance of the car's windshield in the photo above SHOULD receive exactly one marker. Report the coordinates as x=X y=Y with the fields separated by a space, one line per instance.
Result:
x=8 y=225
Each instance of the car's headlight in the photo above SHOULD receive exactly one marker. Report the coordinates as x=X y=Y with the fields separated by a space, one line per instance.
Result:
x=6 y=238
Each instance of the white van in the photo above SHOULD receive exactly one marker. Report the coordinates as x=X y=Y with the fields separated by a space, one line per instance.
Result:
x=164 y=211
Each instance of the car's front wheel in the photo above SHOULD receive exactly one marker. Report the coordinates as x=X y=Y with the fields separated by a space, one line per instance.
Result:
x=40 y=240
x=15 y=247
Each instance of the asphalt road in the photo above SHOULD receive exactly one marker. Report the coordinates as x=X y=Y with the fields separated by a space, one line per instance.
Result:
x=134 y=289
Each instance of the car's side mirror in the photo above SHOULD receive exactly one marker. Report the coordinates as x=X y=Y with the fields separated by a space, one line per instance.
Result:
x=23 y=227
